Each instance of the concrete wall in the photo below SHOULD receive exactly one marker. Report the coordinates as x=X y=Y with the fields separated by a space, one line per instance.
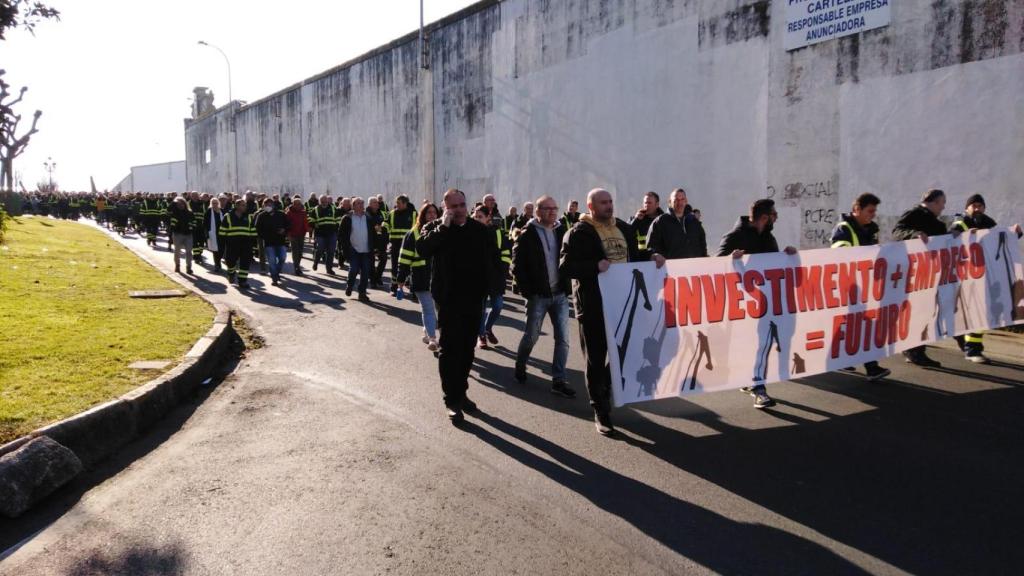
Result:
x=526 y=97
x=163 y=177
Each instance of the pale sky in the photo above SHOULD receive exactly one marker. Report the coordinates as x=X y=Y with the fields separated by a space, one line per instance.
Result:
x=114 y=78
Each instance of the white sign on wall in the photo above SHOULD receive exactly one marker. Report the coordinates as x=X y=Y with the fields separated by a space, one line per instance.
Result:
x=812 y=21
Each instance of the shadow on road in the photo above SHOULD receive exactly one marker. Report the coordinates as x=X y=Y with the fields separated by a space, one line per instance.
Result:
x=705 y=537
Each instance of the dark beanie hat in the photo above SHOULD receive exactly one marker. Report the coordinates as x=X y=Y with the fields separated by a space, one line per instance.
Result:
x=974 y=198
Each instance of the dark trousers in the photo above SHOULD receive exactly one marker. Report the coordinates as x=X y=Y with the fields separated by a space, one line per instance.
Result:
x=198 y=240
x=595 y=354
x=238 y=258
x=218 y=254
x=396 y=249
x=360 y=267
x=382 y=262
x=298 y=244
x=324 y=245
x=459 y=328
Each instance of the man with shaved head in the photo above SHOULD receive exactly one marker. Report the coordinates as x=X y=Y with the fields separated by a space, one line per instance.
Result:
x=596 y=242
x=463 y=254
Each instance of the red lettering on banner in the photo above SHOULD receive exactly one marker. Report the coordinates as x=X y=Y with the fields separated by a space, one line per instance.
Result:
x=790 y=293
x=881 y=268
x=688 y=300
x=869 y=323
x=670 y=302
x=977 y=267
x=808 y=288
x=934 y=262
x=853 y=332
x=961 y=262
x=847 y=283
x=758 y=305
x=773 y=276
x=945 y=263
x=904 y=319
x=714 y=296
x=735 y=296
x=829 y=286
x=911 y=278
x=893 y=318
x=837 y=333
x=864 y=267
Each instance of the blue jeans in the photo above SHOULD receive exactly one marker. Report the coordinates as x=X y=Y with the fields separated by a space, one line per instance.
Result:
x=275 y=259
x=489 y=319
x=360 y=267
x=429 y=313
x=557 y=308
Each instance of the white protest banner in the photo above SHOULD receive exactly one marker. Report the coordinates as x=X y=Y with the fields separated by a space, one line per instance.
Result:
x=812 y=21
x=707 y=324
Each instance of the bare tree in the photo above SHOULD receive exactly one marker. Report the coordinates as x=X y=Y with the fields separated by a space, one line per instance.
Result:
x=11 y=143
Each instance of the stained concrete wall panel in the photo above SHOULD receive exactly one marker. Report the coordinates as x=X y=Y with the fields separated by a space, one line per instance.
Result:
x=528 y=97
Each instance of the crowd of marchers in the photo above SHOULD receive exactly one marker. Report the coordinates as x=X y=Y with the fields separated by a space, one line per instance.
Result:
x=456 y=260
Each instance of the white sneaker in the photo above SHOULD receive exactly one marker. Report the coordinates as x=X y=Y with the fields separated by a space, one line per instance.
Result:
x=432 y=344
x=425 y=339
x=978 y=358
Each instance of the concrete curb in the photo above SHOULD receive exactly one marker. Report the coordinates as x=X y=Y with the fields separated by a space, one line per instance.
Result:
x=100 y=431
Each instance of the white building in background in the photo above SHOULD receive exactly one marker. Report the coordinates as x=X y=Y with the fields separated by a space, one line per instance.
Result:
x=162 y=177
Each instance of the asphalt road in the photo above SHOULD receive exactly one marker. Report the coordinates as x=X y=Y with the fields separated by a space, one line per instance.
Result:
x=327 y=452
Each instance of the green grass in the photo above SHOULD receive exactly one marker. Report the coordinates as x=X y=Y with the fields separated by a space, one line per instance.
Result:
x=68 y=329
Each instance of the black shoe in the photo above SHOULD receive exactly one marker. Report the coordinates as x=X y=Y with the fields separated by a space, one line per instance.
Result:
x=560 y=388
x=877 y=373
x=314 y=265
x=274 y=282
x=363 y=297
x=468 y=406
x=920 y=359
x=603 y=423
x=348 y=291
x=298 y=271
x=455 y=415
x=330 y=272
x=243 y=284
x=520 y=373
x=188 y=271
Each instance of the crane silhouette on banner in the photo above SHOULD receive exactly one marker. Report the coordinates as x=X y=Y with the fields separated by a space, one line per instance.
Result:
x=1016 y=286
x=637 y=288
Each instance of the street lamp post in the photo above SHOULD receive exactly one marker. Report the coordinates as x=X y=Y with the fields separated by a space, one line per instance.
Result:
x=231 y=101
x=50 y=166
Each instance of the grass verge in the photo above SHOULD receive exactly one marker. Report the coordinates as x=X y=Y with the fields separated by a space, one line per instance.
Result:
x=68 y=329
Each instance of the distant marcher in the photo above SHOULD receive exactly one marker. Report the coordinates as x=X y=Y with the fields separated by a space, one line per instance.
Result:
x=214 y=242
x=377 y=215
x=272 y=229
x=535 y=269
x=511 y=217
x=463 y=252
x=921 y=222
x=496 y=290
x=400 y=221
x=325 y=221
x=644 y=217
x=298 y=227
x=596 y=242
x=414 y=272
x=357 y=241
x=239 y=233
x=571 y=216
x=182 y=224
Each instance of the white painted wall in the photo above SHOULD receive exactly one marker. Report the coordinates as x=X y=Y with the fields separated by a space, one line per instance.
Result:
x=526 y=97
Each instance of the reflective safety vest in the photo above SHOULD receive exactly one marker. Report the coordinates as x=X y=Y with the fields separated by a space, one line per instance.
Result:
x=506 y=253
x=150 y=208
x=962 y=225
x=322 y=217
x=410 y=257
x=855 y=240
x=397 y=233
x=235 y=226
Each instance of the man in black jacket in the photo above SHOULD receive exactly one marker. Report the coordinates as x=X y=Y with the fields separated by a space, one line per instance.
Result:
x=678 y=233
x=535 y=269
x=463 y=252
x=753 y=235
x=975 y=218
x=400 y=221
x=595 y=243
x=272 y=229
x=921 y=222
